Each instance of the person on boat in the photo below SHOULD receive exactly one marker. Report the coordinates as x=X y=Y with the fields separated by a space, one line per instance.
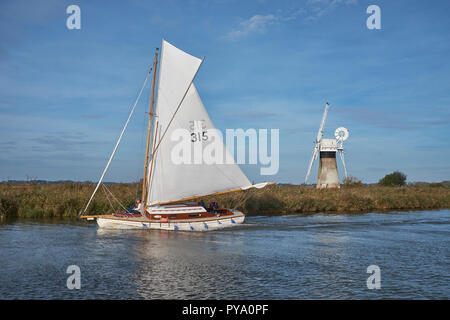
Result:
x=135 y=209
x=213 y=206
x=138 y=204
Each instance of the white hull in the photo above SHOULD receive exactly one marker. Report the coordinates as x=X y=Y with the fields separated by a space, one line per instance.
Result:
x=207 y=224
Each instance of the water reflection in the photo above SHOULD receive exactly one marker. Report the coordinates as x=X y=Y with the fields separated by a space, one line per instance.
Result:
x=184 y=264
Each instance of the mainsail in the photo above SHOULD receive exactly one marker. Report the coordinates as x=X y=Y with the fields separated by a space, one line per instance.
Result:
x=179 y=106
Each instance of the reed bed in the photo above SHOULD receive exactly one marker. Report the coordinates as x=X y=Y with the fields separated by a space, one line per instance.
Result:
x=60 y=200
x=299 y=199
x=67 y=200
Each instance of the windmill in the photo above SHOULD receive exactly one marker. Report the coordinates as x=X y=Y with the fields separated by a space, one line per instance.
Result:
x=326 y=149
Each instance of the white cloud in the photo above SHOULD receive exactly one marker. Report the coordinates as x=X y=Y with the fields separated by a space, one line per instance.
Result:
x=318 y=8
x=312 y=10
x=255 y=24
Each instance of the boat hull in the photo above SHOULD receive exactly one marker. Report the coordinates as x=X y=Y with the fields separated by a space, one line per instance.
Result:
x=196 y=225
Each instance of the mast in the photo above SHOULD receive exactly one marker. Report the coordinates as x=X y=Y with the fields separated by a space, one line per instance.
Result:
x=144 y=183
x=151 y=162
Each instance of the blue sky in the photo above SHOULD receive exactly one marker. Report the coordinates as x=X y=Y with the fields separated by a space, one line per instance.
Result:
x=65 y=94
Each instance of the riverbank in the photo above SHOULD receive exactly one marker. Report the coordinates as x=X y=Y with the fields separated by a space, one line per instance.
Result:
x=66 y=200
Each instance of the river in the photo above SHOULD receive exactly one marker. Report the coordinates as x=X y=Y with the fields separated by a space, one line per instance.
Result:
x=320 y=256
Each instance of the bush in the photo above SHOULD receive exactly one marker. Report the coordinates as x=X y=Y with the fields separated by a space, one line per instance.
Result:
x=7 y=208
x=436 y=185
x=352 y=182
x=396 y=178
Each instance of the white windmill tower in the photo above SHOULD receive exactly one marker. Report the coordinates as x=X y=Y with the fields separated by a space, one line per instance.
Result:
x=326 y=148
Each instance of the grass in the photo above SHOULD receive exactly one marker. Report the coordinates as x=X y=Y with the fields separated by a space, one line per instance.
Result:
x=59 y=200
x=66 y=200
x=297 y=199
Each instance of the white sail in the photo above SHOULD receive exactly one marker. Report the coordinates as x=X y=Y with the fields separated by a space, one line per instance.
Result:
x=172 y=181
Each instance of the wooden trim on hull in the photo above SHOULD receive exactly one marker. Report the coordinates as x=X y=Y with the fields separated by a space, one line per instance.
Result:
x=190 y=215
x=97 y=216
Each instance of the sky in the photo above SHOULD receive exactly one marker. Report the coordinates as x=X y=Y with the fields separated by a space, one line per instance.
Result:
x=65 y=94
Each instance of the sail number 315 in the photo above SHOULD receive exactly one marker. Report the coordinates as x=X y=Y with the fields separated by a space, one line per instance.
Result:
x=198 y=132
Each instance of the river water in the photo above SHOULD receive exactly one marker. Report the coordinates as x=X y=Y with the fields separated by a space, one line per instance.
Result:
x=320 y=256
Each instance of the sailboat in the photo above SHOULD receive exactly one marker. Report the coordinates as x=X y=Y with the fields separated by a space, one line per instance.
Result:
x=168 y=187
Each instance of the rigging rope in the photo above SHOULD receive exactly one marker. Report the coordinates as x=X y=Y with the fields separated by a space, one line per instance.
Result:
x=104 y=190
x=117 y=144
x=120 y=204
